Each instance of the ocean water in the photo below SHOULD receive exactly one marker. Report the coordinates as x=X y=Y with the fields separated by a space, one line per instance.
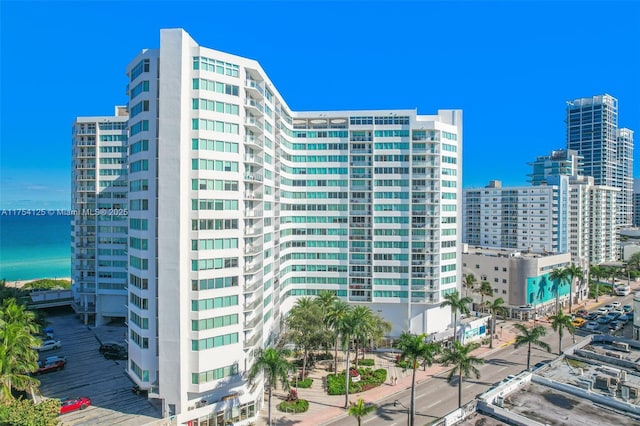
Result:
x=35 y=247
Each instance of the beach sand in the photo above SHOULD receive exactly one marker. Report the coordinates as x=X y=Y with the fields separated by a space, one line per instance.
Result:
x=21 y=283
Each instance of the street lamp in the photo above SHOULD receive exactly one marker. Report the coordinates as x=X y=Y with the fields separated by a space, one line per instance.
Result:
x=396 y=403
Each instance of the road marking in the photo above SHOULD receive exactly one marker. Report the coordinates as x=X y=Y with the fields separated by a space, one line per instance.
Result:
x=435 y=403
x=421 y=395
x=503 y=368
x=469 y=385
x=368 y=420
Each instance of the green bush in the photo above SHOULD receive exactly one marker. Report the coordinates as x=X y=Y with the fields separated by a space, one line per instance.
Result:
x=304 y=384
x=48 y=284
x=299 y=406
x=366 y=362
x=404 y=364
x=369 y=379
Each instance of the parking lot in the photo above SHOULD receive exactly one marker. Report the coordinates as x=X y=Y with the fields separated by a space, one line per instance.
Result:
x=604 y=326
x=87 y=373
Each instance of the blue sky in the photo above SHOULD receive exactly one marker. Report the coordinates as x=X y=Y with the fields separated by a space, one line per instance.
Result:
x=509 y=65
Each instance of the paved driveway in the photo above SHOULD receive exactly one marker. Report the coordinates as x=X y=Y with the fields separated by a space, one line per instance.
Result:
x=88 y=373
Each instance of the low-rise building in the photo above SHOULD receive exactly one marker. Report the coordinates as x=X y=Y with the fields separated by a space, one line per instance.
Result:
x=521 y=279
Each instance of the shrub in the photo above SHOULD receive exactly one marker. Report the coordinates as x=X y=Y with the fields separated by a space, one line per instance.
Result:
x=369 y=379
x=404 y=364
x=304 y=384
x=366 y=362
x=299 y=406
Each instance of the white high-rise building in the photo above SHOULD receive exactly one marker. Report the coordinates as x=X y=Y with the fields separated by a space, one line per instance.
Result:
x=237 y=205
x=592 y=130
x=99 y=217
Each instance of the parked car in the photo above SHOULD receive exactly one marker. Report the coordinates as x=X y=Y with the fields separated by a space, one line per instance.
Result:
x=602 y=311
x=582 y=313
x=592 y=316
x=48 y=345
x=615 y=325
x=110 y=347
x=578 y=322
x=615 y=304
x=72 y=404
x=539 y=365
x=623 y=318
x=116 y=354
x=627 y=308
x=54 y=358
x=48 y=367
x=613 y=315
x=603 y=320
x=608 y=307
x=592 y=325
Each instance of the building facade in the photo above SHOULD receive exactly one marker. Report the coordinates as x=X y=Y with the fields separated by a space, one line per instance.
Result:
x=636 y=203
x=238 y=205
x=520 y=279
x=561 y=162
x=99 y=217
x=592 y=130
x=523 y=218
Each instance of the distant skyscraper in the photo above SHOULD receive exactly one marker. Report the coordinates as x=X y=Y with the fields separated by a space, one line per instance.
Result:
x=560 y=162
x=592 y=130
x=99 y=227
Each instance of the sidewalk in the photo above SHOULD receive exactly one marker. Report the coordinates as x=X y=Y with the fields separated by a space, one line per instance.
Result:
x=325 y=408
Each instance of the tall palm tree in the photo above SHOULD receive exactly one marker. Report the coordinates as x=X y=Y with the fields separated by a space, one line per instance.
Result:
x=613 y=273
x=558 y=276
x=381 y=328
x=363 y=321
x=485 y=289
x=596 y=272
x=469 y=281
x=464 y=363
x=275 y=367
x=573 y=272
x=336 y=316
x=348 y=328
x=458 y=305
x=17 y=356
x=531 y=336
x=559 y=322
x=360 y=409
x=325 y=299
x=495 y=307
x=416 y=351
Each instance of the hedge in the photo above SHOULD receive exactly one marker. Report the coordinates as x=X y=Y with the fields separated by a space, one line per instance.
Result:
x=299 y=406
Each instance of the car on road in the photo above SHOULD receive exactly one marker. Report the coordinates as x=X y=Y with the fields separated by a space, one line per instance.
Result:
x=592 y=316
x=116 y=354
x=612 y=315
x=603 y=320
x=592 y=325
x=602 y=311
x=539 y=365
x=72 y=404
x=615 y=325
x=623 y=318
x=578 y=322
x=109 y=347
x=49 y=366
x=616 y=304
x=49 y=345
x=627 y=308
x=582 y=313
x=608 y=307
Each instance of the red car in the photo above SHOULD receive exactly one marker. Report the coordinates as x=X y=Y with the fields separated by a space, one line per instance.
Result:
x=582 y=313
x=72 y=404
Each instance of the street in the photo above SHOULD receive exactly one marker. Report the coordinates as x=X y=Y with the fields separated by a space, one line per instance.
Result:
x=436 y=397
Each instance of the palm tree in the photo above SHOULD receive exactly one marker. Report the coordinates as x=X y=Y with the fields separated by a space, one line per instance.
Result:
x=634 y=261
x=613 y=273
x=335 y=318
x=558 y=276
x=275 y=367
x=360 y=409
x=416 y=351
x=485 y=289
x=573 y=271
x=559 y=322
x=363 y=321
x=457 y=304
x=468 y=283
x=305 y=327
x=348 y=327
x=464 y=363
x=17 y=356
x=325 y=299
x=495 y=307
x=596 y=272
x=381 y=328
x=531 y=336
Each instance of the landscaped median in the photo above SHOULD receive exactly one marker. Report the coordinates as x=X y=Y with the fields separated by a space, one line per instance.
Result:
x=360 y=380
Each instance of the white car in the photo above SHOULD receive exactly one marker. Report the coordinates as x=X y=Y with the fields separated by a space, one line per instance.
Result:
x=602 y=311
x=53 y=359
x=608 y=307
x=615 y=304
x=48 y=345
x=592 y=325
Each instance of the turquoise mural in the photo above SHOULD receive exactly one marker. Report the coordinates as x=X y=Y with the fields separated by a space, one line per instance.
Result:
x=541 y=289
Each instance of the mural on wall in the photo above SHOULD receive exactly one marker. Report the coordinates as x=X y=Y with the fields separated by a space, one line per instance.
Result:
x=541 y=289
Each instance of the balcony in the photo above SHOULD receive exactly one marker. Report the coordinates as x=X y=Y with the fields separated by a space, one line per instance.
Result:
x=251 y=342
x=250 y=268
x=254 y=105
x=254 y=178
x=253 y=213
x=253 y=230
x=251 y=322
x=252 y=248
x=254 y=124
x=255 y=159
x=252 y=305
x=254 y=140
x=254 y=87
